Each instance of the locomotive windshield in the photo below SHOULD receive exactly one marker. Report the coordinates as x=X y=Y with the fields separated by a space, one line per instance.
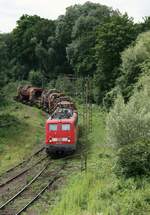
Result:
x=65 y=127
x=52 y=127
x=62 y=113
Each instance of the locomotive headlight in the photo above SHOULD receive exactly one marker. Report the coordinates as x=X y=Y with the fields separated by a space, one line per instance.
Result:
x=54 y=139
x=68 y=140
x=50 y=140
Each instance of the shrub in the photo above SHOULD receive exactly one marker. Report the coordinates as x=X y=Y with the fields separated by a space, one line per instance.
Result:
x=134 y=158
x=37 y=78
x=64 y=84
x=129 y=123
x=110 y=97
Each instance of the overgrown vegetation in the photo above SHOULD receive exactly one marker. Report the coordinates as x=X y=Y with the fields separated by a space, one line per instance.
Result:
x=135 y=61
x=128 y=129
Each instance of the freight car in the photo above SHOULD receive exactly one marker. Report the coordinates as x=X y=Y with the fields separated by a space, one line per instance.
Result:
x=29 y=94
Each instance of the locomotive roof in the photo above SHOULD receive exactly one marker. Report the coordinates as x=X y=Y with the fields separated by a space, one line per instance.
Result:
x=64 y=120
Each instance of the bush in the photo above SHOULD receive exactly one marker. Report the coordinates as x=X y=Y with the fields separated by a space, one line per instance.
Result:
x=37 y=78
x=133 y=59
x=134 y=158
x=64 y=84
x=110 y=97
x=129 y=123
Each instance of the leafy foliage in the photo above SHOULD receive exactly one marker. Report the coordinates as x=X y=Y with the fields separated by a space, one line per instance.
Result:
x=128 y=125
x=30 y=46
x=113 y=37
x=134 y=158
x=36 y=78
x=134 y=59
x=5 y=46
x=80 y=51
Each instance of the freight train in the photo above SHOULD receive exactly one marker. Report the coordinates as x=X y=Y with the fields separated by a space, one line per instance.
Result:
x=61 y=129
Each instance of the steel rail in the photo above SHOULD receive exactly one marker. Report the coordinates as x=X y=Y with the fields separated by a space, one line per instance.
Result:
x=21 y=173
x=25 y=187
x=22 y=162
x=56 y=177
x=33 y=180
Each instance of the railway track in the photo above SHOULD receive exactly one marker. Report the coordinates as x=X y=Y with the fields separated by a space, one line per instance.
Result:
x=23 y=162
x=54 y=179
x=22 y=166
x=18 y=176
x=50 y=176
x=22 y=172
x=11 y=195
x=46 y=177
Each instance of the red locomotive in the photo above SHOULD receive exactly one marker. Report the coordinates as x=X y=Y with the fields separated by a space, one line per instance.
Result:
x=61 y=130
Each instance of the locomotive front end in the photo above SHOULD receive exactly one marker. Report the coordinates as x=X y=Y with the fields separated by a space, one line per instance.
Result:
x=61 y=134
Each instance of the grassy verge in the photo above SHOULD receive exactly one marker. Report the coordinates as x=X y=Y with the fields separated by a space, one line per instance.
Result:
x=21 y=130
x=99 y=191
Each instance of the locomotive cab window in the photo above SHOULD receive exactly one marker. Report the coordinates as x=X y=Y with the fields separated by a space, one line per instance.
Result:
x=52 y=127
x=65 y=127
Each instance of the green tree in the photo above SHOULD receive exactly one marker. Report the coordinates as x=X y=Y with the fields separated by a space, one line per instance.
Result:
x=5 y=58
x=133 y=60
x=112 y=38
x=144 y=26
x=30 y=42
x=80 y=51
